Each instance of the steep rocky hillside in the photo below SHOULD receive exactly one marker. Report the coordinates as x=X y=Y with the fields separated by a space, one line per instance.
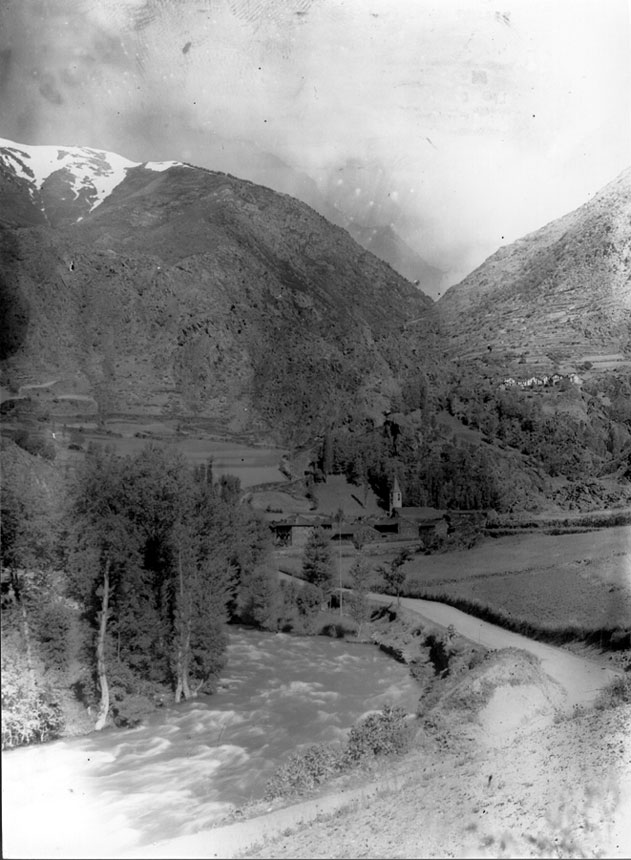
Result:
x=556 y=299
x=163 y=287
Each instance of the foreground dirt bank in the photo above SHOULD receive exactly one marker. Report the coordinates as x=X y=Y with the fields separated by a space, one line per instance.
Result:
x=565 y=792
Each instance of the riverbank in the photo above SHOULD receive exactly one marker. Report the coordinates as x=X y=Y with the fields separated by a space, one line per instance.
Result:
x=565 y=792
x=494 y=773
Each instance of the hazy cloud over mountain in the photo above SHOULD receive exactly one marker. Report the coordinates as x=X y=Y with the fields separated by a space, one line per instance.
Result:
x=461 y=124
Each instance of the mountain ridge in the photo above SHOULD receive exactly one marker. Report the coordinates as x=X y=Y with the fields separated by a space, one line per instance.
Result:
x=32 y=161
x=51 y=173
x=190 y=290
x=555 y=297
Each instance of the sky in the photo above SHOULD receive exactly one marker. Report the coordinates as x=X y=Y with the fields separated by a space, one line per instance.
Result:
x=464 y=124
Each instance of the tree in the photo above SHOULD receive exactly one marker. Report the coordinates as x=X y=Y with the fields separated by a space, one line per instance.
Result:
x=308 y=603
x=202 y=573
x=261 y=599
x=159 y=556
x=394 y=575
x=317 y=567
x=105 y=547
x=363 y=534
x=26 y=550
x=358 y=606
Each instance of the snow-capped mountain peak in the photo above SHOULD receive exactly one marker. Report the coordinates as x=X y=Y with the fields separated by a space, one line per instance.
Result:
x=81 y=174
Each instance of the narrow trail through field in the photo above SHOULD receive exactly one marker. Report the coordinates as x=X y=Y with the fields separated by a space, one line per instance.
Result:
x=581 y=678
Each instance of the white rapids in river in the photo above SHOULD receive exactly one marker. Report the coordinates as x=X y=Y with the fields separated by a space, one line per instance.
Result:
x=111 y=792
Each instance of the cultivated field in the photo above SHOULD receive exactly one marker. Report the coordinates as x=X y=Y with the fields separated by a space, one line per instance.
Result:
x=252 y=464
x=555 y=583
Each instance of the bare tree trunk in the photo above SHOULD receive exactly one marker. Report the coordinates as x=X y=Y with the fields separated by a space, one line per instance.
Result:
x=182 y=686
x=178 y=686
x=187 y=653
x=184 y=639
x=179 y=670
x=104 y=706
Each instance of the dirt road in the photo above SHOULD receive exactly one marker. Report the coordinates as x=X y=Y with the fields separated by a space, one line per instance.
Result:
x=580 y=677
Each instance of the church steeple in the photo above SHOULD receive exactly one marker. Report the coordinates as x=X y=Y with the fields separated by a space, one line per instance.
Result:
x=396 y=497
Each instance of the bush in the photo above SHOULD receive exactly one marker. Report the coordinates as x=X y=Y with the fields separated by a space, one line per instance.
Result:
x=334 y=630
x=304 y=770
x=29 y=712
x=618 y=692
x=35 y=443
x=385 y=733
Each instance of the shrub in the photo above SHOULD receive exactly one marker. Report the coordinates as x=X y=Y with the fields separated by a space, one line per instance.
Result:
x=618 y=692
x=304 y=770
x=35 y=443
x=29 y=712
x=334 y=630
x=385 y=733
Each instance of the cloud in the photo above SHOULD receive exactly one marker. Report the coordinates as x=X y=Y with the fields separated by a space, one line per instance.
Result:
x=468 y=125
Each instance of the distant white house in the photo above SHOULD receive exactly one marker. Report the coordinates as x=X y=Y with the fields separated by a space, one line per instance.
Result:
x=540 y=381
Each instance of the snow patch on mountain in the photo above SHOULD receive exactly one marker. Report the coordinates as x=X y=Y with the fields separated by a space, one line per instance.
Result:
x=159 y=166
x=95 y=170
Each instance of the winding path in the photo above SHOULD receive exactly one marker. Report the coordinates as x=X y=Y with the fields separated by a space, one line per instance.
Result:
x=582 y=678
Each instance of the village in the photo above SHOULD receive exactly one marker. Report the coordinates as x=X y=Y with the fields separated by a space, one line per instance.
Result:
x=546 y=381
x=347 y=521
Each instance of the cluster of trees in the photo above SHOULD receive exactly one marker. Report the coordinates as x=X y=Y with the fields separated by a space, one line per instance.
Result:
x=318 y=573
x=571 y=441
x=124 y=597
x=159 y=557
x=431 y=470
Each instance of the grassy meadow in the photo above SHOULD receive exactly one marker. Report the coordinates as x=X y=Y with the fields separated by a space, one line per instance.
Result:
x=557 y=587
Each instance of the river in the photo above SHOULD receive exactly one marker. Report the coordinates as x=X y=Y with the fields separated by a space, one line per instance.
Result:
x=188 y=765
